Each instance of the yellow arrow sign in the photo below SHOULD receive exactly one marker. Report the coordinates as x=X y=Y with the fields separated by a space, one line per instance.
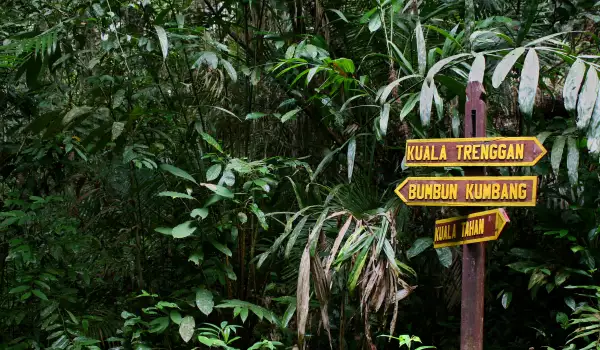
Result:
x=477 y=227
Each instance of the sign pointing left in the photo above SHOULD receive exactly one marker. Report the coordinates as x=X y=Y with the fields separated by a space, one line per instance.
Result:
x=473 y=228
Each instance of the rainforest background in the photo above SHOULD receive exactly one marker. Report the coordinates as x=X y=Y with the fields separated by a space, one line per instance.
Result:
x=180 y=174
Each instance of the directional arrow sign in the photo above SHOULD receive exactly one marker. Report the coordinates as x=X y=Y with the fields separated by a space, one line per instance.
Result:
x=480 y=151
x=494 y=191
x=476 y=227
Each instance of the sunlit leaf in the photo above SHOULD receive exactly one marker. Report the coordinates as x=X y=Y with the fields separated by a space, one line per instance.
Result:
x=311 y=74
x=421 y=48
x=289 y=115
x=425 y=103
x=529 y=82
x=213 y=172
x=505 y=66
x=211 y=141
x=439 y=103
x=506 y=299
x=572 y=84
x=572 y=161
x=186 y=328
x=350 y=157
x=201 y=212
x=388 y=89
x=204 y=301
x=593 y=134
x=587 y=99
x=477 y=69
x=208 y=58
x=175 y=195
x=556 y=153
x=183 y=230
x=375 y=23
x=255 y=115
x=177 y=172
x=230 y=70
x=162 y=39
x=383 y=118
x=117 y=130
x=340 y=14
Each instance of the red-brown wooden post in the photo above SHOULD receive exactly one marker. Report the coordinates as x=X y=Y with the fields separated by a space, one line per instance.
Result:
x=473 y=260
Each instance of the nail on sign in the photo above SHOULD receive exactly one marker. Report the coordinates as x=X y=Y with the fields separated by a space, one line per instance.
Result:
x=480 y=151
x=473 y=228
x=499 y=191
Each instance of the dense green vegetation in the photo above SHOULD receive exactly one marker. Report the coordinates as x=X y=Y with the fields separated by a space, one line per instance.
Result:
x=187 y=173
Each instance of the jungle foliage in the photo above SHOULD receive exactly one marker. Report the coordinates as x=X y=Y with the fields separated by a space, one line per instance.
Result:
x=198 y=173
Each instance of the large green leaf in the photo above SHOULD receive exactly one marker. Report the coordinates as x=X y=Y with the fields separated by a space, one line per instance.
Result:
x=556 y=153
x=419 y=246
x=409 y=105
x=587 y=98
x=260 y=215
x=505 y=66
x=425 y=103
x=255 y=115
x=201 y=212
x=204 y=301
x=186 y=328
x=208 y=58
x=572 y=84
x=383 y=118
x=350 y=157
x=340 y=14
x=38 y=293
x=388 y=89
x=162 y=39
x=211 y=141
x=289 y=115
x=177 y=172
x=221 y=247
x=183 y=230
x=421 y=48
x=175 y=195
x=19 y=289
x=477 y=69
x=444 y=256
x=375 y=22
x=213 y=172
x=529 y=82
x=572 y=161
x=593 y=134
x=220 y=190
x=158 y=325
x=230 y=70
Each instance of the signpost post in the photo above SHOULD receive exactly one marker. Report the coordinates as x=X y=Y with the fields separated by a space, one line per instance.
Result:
x=472 y=230
x=473 y=259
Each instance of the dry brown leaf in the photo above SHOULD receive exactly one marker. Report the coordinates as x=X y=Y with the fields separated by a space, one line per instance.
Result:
x=303 y=294
x=322 y=293
x=336 y=245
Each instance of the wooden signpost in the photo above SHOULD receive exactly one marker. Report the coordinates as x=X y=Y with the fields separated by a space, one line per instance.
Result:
x=476 y=151
x=473 y=228
x=464 y=191
x=474 y=190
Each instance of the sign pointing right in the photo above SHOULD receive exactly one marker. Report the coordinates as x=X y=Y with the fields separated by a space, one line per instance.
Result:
x=475 y=151
x=476 y=227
